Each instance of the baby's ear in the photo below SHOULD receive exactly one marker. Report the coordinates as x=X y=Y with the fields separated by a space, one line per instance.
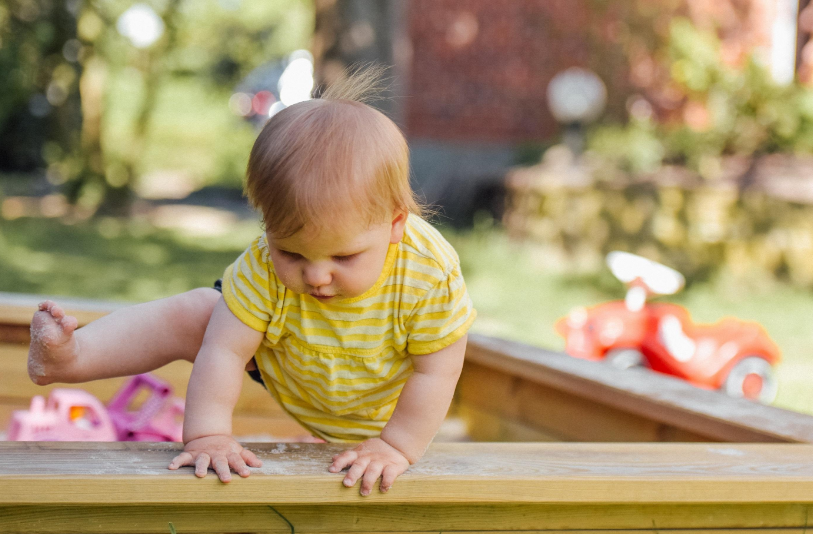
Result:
x=399 y=220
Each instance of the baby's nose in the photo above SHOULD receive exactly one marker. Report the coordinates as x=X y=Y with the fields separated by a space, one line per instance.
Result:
x=316 y=275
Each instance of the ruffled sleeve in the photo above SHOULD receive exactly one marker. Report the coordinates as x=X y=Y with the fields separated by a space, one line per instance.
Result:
x=252 y=292
x=441 y=316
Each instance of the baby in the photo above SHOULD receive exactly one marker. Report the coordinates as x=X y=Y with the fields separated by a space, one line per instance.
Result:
x=350 y=309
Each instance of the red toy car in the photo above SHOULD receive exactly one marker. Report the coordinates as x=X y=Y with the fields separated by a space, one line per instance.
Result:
x=731 y=355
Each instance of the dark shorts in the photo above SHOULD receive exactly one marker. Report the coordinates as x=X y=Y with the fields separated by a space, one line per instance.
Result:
x=254 y=373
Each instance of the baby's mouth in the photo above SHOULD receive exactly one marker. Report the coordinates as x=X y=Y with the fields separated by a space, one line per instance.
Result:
x=321 y=297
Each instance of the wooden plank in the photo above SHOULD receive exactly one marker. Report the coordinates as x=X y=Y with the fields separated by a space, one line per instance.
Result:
x=139 y=520
x=554 y=488
x=590 y=473
x=254 y=399
x=358 y=518
x=15 y=334
x=18 y=308
x=556 y=517
x=353 y=518
x=642 y=393
x=487 y=426
x=277 y=427
x=515 y=402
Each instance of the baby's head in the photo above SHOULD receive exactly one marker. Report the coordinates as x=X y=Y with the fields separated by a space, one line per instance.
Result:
x=331 y=178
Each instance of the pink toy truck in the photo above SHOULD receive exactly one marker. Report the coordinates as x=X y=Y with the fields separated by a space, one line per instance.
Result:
x=159 y=418
x=68 y=415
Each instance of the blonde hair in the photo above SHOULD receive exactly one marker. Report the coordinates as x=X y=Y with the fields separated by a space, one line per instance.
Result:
x=331 y=160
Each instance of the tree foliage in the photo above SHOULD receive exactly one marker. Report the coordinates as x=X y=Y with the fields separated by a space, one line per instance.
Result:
x=724 y=110
x=39 y=62
x=64 y=58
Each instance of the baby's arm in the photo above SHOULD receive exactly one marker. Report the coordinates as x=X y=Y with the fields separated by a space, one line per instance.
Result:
x=214 y=388
x=421 y=408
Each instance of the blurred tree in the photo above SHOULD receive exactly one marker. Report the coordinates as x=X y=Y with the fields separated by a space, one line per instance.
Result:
x=215 y=41
x=115 y=172
x=39 y=101
x=720 y=108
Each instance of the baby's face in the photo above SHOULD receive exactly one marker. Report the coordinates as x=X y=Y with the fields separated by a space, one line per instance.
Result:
x=337 y=264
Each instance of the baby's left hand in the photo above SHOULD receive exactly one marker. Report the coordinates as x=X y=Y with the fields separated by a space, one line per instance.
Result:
x=373 y=458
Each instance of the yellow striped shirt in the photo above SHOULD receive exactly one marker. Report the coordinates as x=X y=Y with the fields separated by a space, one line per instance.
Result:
x=338 y=367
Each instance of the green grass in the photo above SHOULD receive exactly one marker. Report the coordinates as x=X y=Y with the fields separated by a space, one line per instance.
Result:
x=110 y=259
x=518 y=292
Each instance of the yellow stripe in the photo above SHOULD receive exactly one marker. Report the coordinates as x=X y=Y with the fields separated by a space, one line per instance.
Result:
x=429 y=347
x=345 y=388
x=352 y=357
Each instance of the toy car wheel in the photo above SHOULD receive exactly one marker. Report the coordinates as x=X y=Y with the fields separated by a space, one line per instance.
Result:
x=624 y=358
x=752 y=378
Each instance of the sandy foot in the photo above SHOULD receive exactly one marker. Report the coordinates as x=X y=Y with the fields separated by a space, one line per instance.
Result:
x=54 y=348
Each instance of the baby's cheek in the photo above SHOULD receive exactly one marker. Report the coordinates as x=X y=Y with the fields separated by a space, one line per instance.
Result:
x=290 y=280
x=361 y=279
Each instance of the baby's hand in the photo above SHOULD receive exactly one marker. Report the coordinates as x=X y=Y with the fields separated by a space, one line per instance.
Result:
x=373 y=458
x=222 y=452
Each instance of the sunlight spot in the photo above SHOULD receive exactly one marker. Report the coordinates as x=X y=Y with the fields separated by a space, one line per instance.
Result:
x=197 y=221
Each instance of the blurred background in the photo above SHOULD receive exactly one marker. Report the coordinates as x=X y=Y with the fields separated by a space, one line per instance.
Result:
x=548 y=132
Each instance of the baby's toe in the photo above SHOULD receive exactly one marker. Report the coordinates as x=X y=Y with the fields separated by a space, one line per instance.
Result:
x=57 y=312
x=69 y=324
x=41 y=323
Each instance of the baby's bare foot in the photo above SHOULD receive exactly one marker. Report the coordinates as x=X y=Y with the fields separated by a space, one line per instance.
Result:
x=53 y=346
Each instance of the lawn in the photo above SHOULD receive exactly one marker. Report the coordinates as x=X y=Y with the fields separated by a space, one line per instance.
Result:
x=519 y=293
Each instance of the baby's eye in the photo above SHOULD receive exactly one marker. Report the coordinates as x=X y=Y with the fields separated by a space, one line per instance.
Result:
x=345 y=258
x=290 y=255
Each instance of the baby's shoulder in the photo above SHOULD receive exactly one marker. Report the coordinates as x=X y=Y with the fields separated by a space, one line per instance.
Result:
x=257 y=259
x=424 y=244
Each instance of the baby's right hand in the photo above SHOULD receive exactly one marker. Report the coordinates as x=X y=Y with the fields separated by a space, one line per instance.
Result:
x=222 y=452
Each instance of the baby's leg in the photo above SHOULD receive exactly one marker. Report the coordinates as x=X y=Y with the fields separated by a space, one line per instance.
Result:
x=133 y=340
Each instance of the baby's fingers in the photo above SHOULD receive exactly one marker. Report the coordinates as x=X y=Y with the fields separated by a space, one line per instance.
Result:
x=370 y=476
x=356 y=470
x=221 y=466
x=389 y=475
x=250 y=458
x=181 y=460
x=236 y=462
x=202 y=465
x=342 y=460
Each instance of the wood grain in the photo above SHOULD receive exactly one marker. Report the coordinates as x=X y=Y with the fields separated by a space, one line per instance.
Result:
x=564 y=416
x=637 y=393
x=367 y=518
x=577 y=488
x=135 y=473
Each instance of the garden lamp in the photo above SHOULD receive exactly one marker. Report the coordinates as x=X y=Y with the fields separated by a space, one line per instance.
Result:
x=576 y=97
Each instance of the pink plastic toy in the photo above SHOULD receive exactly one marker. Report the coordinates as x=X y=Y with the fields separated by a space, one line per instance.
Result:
x=68 y=415
x=158 y=419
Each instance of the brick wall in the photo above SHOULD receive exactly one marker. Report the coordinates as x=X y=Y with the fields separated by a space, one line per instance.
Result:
x=479 y=69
